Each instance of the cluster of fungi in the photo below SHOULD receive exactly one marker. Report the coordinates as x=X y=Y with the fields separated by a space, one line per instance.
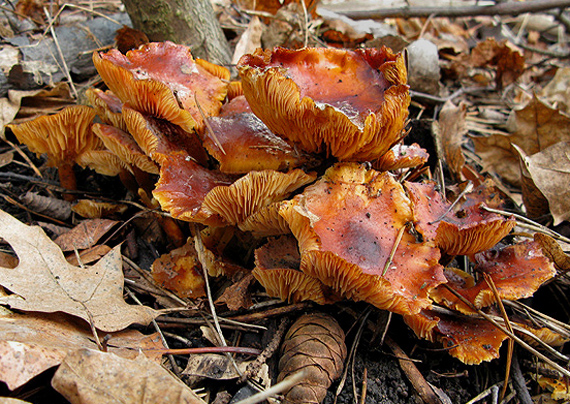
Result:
x=305 y=155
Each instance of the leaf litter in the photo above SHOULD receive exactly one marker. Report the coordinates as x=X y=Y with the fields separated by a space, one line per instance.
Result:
x=526 y=155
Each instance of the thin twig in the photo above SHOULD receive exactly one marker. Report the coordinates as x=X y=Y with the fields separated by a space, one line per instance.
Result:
x=284 y=385
x=59 y=51
x=508 y=333
x=493 y=287
x=544 y=229
x=394 y=248
x=206 y=350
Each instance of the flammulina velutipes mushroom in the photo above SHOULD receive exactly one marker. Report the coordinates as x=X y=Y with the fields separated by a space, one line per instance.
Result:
x=304 y=157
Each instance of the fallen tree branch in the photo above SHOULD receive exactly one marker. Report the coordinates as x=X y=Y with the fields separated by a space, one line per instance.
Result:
x=507 y=8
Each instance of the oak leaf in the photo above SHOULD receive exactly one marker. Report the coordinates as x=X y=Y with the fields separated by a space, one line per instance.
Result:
x=44 y=281
x=87 y=376
x=533 y=128
x=33 y=343
x=549 y=170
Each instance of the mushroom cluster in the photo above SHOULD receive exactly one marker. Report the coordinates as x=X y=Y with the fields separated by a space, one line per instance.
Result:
x=305 y=153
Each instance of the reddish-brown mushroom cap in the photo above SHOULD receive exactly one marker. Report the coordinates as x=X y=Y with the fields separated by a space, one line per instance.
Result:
x=108 y=107
x=350 y=104
x=471 y=340
x=159 y=138
x=402 y=156
x=517 y=271
x=182 y=187
x=347 y=225
x=124 y=146
x=242 y=143
x=461 y=232
x=236 y=106
x=277 y=269
x=180 y=271
x=162 y=79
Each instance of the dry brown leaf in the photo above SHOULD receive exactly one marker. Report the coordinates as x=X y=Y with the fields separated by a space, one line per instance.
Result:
x=44 y=281
x=8 y=400
x=550 y=172
x=250 y=40
x=449 y=131
x=533 y=128
x=84 y=235
x=7 y=260
x=93 y=377
x=557 y=91
x=535 y=203
x=213 y=366
x=6 y=158
x=88 y=256
x=31 y=344
x=553 y=251
x=237 y=296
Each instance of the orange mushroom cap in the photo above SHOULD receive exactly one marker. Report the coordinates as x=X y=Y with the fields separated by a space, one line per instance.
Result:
x=463 y=232
x=350 y=104
x=277 y=269
x=266 y=222
x=517 y=271
x=242 y=143
x=103 y=162
x=471 y=340
x=108 y=107
x=180 y=271
x=190 y=192
x=124 y=146
x=163 y=80
x=62 y=137
x=252 y=192
x=347 y=225
x=402 y=156
x=159 y=138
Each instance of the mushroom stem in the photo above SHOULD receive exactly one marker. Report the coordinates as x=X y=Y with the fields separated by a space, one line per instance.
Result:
x=67 y=179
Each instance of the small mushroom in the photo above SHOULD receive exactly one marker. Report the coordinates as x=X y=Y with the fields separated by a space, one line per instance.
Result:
x=277 y=269
x=107 y=106
x=460 y=232
x=63 y=137
x=180 y=271
x=402 y=156
x=349 y=104
x=471 y=340
x=517 y=271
